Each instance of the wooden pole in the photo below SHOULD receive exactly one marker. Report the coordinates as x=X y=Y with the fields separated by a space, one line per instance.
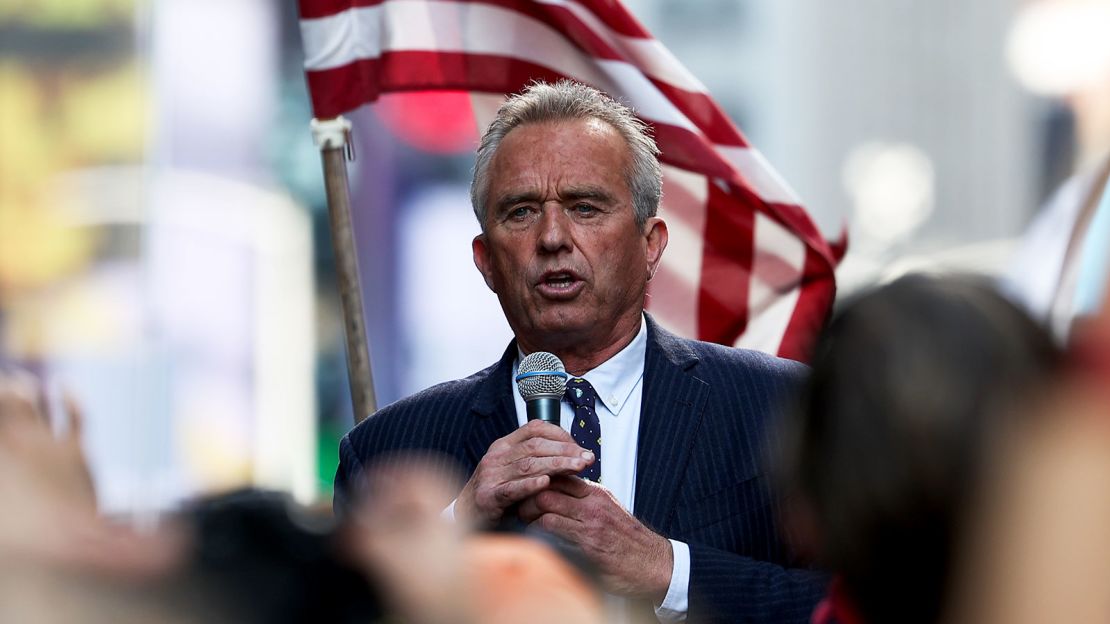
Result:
x=332 y=137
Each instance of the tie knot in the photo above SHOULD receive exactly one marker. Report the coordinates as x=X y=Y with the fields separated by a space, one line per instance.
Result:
x=579 y=392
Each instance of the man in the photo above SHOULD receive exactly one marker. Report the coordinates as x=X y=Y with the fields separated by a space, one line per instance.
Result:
x=566 y=187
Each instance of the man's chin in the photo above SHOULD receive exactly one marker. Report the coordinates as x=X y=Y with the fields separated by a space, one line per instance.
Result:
x=559 y=332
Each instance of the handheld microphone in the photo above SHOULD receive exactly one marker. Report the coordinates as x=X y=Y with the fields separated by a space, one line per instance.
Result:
x=541 y=380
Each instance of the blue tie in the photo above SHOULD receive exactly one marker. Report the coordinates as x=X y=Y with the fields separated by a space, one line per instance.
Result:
x=586 y=429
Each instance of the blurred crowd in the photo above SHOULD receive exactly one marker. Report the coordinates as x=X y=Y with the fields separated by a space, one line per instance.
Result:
x=254 y=556
x=947 y=462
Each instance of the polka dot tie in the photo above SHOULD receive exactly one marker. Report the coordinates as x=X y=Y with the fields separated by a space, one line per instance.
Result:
x=586 y=429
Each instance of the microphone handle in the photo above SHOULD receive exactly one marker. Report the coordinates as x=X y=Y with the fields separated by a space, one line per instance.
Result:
x=545 y=409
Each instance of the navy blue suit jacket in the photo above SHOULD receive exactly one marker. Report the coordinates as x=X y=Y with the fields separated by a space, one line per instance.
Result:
x=700 y=471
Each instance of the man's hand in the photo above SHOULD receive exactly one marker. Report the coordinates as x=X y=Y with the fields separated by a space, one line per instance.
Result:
x=518 y=466
x=633 y=560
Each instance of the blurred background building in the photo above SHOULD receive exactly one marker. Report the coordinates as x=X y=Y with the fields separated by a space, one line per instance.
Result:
x=164 y=251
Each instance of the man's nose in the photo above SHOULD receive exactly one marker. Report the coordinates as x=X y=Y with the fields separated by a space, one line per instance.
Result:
x=554 y=229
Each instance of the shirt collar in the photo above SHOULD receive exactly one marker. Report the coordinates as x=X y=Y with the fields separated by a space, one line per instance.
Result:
x=616 y=378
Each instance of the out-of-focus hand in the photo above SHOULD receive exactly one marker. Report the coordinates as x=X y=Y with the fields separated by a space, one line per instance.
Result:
x=50 y=515
x=44 y=479
x=53 y=464
x=632 y=559
x=517 y=466
x=403 y=543
x=431 y=571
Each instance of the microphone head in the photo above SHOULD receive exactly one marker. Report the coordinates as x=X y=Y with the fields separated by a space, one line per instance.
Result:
x=541 y=374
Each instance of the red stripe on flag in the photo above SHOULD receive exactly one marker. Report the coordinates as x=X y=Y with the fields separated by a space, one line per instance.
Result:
x=616 y=17
x=609 y=13
x=338 y=90
x=315 y=9
x=686 y=150
x=818 y=290
x=795 y=219
x=726 y=268
x=567 y=23
x=704 y=112
x=341 y=89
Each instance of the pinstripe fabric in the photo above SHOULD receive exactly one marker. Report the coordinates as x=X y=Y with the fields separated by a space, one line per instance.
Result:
x=700 y=473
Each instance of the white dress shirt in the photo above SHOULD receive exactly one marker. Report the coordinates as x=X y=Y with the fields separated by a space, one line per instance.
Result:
x=619 y=383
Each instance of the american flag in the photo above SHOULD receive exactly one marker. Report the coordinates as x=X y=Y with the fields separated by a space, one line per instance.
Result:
x=745 y=265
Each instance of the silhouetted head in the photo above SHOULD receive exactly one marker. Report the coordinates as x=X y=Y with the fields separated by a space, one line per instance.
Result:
x=910 y=382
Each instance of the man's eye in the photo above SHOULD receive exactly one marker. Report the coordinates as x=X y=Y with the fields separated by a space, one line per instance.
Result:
x=584 y=209
x=518 y=213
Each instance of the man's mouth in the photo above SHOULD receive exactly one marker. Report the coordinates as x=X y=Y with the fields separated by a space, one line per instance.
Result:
x=559 y=279
x=559 y=284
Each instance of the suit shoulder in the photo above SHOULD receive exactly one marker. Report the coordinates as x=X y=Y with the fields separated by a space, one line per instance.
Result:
x=437 y=403
x=447 y=390
x=749 y=361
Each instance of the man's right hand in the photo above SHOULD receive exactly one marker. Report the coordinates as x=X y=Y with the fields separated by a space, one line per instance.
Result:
x=517 y=466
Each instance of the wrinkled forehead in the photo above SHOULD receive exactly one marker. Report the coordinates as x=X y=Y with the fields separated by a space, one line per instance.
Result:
x=590 y=123
x=579 y=151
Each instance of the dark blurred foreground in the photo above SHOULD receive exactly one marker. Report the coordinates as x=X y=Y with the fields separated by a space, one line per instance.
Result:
x=254 y=556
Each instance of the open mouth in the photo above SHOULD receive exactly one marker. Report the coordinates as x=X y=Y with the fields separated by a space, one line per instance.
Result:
x=559 y=284
x=559 y=280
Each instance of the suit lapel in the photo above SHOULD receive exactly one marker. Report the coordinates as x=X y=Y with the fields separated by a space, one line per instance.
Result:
x=670 y=416
x=493 y=414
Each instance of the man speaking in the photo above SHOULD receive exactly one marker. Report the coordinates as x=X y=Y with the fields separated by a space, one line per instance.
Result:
x=657 y=472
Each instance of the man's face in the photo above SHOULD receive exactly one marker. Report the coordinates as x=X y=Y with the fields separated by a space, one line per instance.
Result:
x=561 y=247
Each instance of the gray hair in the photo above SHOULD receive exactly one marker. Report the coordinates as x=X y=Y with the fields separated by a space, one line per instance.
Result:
x=565 y=101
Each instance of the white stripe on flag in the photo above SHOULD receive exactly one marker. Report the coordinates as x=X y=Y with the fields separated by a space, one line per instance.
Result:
x=649 y=102
x=649 y=55
x=340 y=39
x=485 y=107
x=350 y=36
x=679 y=277
x=779 y=258
x=683 y=207
x=764 y=180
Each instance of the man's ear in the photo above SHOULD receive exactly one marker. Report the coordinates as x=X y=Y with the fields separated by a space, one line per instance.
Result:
x=655 y=241
x=482 y=259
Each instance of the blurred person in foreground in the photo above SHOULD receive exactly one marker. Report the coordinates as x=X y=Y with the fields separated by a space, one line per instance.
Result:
x=1040 y=547
x=912 y=385
x=252 y=556
x=433 y=570
x=566 y=188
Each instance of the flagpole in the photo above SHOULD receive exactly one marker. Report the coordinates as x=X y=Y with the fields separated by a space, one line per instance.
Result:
x=332 y=136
